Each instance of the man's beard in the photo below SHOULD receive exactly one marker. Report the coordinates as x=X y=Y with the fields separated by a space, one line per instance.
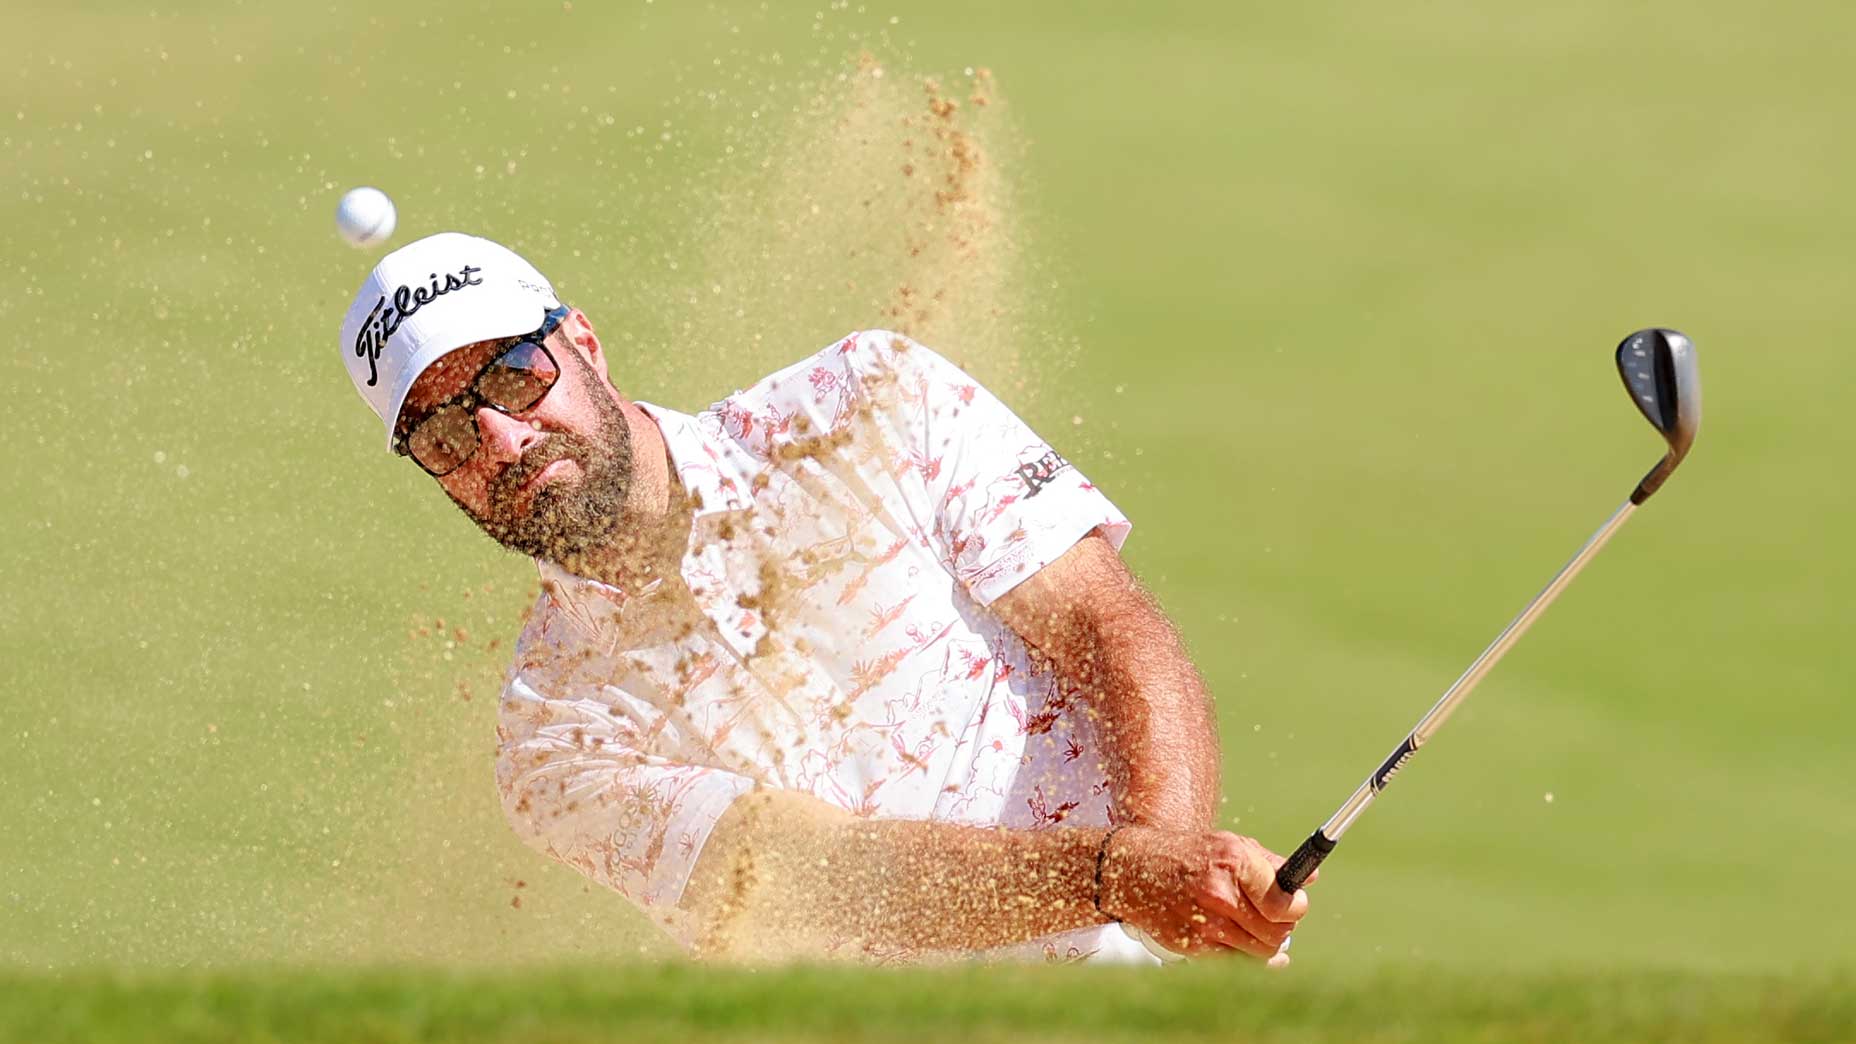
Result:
x=566 y=520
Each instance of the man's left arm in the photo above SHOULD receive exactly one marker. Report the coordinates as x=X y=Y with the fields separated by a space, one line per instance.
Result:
x=1092 y=619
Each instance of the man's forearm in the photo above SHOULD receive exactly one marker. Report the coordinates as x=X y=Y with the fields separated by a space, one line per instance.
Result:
x=1160 y=742
x=1092 y=620
x=786 y=875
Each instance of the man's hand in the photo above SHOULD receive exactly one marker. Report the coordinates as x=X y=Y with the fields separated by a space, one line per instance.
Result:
x=1199 y=893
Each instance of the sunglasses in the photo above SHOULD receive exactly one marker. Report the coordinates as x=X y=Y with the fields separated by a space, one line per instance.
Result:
x=518 y=376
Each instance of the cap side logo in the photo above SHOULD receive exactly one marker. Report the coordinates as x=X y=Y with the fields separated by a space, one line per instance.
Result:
x=381 y=323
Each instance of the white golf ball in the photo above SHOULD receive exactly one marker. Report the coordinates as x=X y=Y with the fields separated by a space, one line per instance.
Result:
x=365 y=216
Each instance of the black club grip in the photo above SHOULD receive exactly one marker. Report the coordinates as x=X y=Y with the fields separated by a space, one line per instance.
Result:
x=1297 y=868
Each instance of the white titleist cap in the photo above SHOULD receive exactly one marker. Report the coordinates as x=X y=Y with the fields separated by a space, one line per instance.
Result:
x=433 y=297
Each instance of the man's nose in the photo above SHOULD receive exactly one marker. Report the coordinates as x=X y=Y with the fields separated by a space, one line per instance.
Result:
x=503 y=437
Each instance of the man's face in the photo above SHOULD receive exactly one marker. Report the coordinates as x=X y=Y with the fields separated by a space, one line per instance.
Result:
x=551 y=481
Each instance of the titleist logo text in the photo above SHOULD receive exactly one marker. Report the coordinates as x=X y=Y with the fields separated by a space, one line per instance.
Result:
x=386 y=318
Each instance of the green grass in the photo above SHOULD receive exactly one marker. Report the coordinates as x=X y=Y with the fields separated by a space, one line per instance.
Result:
x=1331 y=287
x=681 y=1003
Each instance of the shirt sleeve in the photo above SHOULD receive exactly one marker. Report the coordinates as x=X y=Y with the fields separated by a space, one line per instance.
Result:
x=1002 y=503
x=575 y=786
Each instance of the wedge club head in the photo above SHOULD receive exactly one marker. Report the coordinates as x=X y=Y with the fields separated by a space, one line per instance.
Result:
x=1660 y=372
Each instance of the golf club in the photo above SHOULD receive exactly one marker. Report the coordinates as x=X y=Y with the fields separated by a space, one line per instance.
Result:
x=1660 y=372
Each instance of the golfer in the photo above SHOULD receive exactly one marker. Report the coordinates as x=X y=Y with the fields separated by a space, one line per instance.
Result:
x=846 y=664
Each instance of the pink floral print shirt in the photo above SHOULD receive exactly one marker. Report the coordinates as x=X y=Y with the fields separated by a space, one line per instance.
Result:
x=855 y=515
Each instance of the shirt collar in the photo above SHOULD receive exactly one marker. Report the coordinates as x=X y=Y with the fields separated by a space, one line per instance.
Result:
x=700 y=458
x=701 y=461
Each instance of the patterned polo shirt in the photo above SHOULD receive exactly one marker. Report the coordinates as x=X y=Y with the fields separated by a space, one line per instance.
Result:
x=854 y=515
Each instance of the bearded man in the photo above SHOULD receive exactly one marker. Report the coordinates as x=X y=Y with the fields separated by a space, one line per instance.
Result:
x=846 y=664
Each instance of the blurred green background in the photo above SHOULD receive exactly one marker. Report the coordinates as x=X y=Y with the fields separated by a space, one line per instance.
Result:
x=1323 y=294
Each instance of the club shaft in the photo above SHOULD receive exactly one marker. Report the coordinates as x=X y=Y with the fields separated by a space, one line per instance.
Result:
x=1316 y=848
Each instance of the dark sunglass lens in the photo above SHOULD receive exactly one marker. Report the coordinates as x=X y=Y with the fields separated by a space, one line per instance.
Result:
x=443 y=440
x=518 y=378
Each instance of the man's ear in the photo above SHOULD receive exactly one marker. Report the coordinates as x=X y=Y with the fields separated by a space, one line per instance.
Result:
x=579 y=331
